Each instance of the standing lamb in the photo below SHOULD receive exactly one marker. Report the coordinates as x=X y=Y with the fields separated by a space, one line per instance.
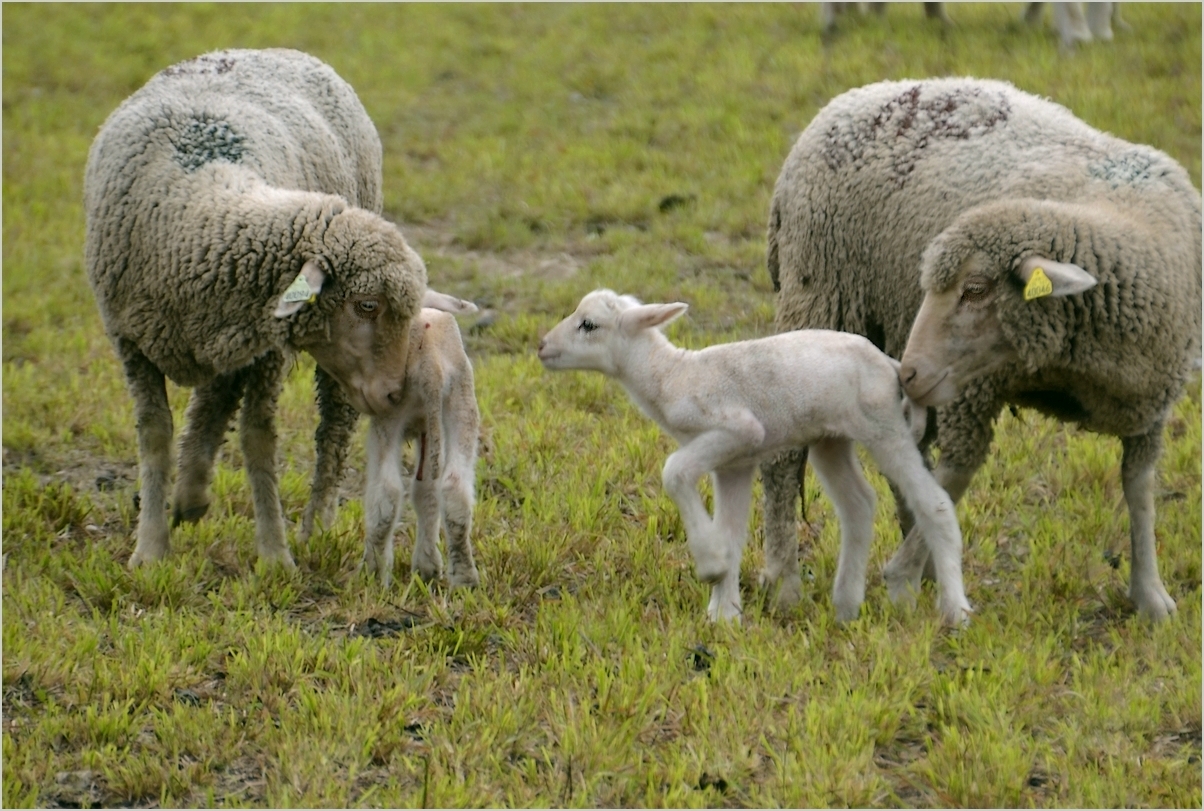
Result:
x=733 y=404
x=232 y=219
x=973 y=184
x=439 y=411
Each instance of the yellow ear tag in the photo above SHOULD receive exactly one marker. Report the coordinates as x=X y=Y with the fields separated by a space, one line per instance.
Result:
x=1038 y=285
x=299 y=290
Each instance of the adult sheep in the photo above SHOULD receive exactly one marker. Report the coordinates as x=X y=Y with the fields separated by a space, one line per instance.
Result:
x=972 y=185
x=233 y=218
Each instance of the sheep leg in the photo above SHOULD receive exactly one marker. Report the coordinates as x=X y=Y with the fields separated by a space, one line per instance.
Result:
x=383 y=495
x=733 y=498
x=1099 y=20
x=911 y=562
x=205 y=424
x=457 y=485
x=427 y=561
x=257 y=431
x=680 y=476
x=1138 y=471
x=153 y=416
x=935 y=516
x=782 y=482
x=835 y=463
x=331 y=440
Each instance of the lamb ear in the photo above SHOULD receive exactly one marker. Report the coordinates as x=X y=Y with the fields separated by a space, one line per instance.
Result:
x=1054 y=279
x=446 y=303
x=647 y=316
x=304 y=289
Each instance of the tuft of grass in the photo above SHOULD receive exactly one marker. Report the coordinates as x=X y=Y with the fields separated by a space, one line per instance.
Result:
x=532 y=153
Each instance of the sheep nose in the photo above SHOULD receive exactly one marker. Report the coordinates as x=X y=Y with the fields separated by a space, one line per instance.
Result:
x=907 y=373
x=396 y=396
x=542 y=342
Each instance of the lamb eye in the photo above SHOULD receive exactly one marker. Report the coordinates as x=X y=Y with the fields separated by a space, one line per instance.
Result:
x=588 y=326
x=367 y=307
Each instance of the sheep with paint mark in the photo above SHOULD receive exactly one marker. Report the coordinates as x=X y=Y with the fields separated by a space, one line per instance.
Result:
x=950 y=193
x=732 y=405
x=233 y=219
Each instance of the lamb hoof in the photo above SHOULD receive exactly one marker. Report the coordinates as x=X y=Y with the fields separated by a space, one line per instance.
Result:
x=464 y=580
x=1155 y=605
x=956 y=618
x=902 y=588
x=847 y=613
x=190 y=515
x=784 y=592
x=277 y=557
x=142 y=555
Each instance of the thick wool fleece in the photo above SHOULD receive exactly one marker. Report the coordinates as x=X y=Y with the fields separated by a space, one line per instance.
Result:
x=208 y=189
x=883 y=170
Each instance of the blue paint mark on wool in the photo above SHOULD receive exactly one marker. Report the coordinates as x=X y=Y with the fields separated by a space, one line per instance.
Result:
x=203 y=141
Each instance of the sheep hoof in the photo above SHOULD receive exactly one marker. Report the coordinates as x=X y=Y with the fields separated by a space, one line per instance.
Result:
x=847 y=613
x=469 y=579
x=142 y=555
x=956 y=618
x=1154 y=605
x=190 y=515
x=784 y=592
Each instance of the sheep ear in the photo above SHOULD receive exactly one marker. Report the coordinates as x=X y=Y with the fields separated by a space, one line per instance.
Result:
x=1045 y=277
x=446 y=303
x=648 y=316
x=304 y=289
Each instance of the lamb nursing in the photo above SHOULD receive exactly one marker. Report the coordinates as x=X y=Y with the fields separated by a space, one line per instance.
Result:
x=732 y=405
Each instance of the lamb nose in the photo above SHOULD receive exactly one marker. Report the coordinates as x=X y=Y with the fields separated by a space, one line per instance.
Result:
x=396 y=395
x=542 y=342
x=907 y=374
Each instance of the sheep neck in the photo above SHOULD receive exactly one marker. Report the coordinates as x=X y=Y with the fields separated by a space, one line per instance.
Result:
x=651 y=371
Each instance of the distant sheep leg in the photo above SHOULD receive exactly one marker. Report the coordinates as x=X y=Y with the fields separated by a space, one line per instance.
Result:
x=782 y=483
x=332 y=438
x=205 y=423
x=383 y=497
x=733 y=499
x=258 y=434
x=1138 y=470
x=153 y=415
x=835 y=463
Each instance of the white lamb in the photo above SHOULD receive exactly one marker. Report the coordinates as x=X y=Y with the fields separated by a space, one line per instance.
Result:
x=732 y=405
x=438 y=410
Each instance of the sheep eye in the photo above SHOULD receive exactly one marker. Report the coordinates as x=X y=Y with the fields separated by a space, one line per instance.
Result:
x=975 y=290
x=367 y=307
x=588 y=326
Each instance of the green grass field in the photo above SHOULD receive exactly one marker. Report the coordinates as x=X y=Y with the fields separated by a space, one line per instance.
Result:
x=532 y=153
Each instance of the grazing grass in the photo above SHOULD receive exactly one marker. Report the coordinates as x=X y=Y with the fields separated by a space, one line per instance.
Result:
x=533 y=152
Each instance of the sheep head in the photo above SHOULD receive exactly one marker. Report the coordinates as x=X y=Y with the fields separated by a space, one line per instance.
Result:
x=596 y=336
x=977 y=275
x=365 y=285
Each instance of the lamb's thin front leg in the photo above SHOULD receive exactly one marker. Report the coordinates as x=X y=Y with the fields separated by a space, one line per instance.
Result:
x=935 y=518
x=683 y=469
x=457 y=485
x=205 y=424
x=904 y=571
x=835 y=463
x=427 y=561
x=733 y=498
x=1138 y=471
x=336 y=424
x=257 y=431
x=383 y=496
x=782 y=484
x=153 y=415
